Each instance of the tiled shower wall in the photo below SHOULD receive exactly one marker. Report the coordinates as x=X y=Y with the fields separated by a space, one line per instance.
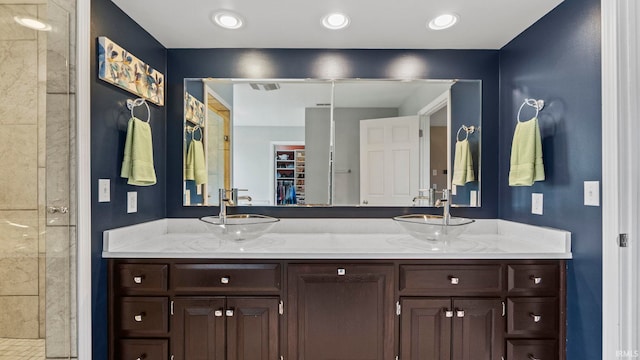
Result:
x=37 y=126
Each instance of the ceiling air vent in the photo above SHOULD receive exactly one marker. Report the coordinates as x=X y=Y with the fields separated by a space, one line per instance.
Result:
x=264 y=86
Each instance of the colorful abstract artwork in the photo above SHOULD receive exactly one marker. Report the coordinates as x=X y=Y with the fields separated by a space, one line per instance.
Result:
x=193 y=109
x=118 y=67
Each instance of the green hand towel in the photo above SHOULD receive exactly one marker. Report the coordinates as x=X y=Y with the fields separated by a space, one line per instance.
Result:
x=196 y=168
x=526 y=154
x=137 y=164
x=463 y=164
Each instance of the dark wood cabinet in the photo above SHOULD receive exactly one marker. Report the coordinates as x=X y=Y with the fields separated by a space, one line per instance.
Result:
x=219 y=328
x=342 y=311
x=198 y=309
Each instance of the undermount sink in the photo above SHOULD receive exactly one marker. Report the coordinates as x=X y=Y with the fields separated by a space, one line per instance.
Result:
x=240 y=226
x=432 y=227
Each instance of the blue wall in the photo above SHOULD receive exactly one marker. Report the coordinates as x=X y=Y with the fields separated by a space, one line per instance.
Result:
x=558 y=60
x=109 y=116
x=318 y=63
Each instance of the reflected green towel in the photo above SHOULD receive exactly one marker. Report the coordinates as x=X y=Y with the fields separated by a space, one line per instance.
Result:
x=137 y=164
x=463 y=164
x=526 y=154
x=195 y=166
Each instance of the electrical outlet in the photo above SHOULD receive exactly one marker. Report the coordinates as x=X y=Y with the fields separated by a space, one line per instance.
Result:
x=104 y=190
x=454 y=189
x=592 y=193
x=434 y=172
x=536 y=203
x=473 y=198
x=132 y=202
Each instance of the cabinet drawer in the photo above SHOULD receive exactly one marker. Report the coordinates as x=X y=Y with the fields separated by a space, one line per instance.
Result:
x=533 y=279
x=147 y=349
x=144 y=316
x=532 y=316
x=235 y=278
x=140 y=278
x=450 y=280
x=532 y=349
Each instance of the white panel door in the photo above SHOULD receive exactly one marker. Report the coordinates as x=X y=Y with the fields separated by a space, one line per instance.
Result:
x=389 y=156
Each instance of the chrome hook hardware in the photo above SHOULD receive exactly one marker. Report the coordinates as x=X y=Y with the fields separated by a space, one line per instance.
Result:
x=536 y=280
x=454 y=280
x=536 y=318
x=57 y=209
x=142 y=356
x=225 y=279
x=138 y=279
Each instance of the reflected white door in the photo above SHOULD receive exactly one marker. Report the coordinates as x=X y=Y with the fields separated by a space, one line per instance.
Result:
x=389 y=155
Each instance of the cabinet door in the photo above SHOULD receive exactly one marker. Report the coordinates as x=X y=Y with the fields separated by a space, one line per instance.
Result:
x=198 y=329
x=478 y=329
x=425 y=329
x=340 y=312
x=252 y=328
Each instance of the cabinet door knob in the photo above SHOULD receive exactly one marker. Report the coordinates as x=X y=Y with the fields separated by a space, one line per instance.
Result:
x=138 y=318
x=536 y=280
x=460 y=313
x=536 y=318
x=229 y=312
x=342 y=271
x=138 y=279
x=454 y=280
x=142 y=356
x=531 y=357
x=448 y=313
x=217 y=313
x=225 y=279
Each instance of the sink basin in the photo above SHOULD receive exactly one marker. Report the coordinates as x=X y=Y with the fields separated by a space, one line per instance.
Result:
x=240 y=226
x=432 y=227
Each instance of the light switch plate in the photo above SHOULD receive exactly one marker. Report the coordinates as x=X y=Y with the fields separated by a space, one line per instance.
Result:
x=104 y=190
x=536 y=203
x=132 y=202
x=592 y=193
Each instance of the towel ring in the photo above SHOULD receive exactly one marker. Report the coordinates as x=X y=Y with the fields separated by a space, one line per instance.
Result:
x=536 y=104
x=193 y=133
x=467 y=129
x=131 y=104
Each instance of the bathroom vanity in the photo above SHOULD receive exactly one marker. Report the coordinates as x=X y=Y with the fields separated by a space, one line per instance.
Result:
x=336 y=289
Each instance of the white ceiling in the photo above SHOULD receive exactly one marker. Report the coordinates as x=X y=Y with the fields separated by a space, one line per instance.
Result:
x=379 y=24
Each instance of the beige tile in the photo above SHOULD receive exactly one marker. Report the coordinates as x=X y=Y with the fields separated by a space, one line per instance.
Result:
x=18 y=252
x=42 y=210
x=19 y=317
x=58 y=146
x=73 y=163
x=42 y=295
x=58 y=289
x=58 y=50
x=23 y=1
x=18 y=167
x=9 y=29
x=73 y=273
x=18 y=82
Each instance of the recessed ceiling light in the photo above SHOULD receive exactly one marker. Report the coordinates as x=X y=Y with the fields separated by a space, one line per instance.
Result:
x=443 y=21
x=227 y=20
x=32 y=23
x=335 y=21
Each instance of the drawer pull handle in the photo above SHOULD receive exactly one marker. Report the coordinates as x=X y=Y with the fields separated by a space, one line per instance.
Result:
x=138 y=318
x=460 y=313
x=454 y=280
x=536 y=280
x=142 y=356
x=229 y=313
x=536 y=318
x=342 y=272
x=225 y=279
x=217 y=313
x=448 y=313
x=138 y=279
x=531 y=357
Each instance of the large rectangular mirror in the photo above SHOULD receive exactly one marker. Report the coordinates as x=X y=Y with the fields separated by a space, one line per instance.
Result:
x=332 y=143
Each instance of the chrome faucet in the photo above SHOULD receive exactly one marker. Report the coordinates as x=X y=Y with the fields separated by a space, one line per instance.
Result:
x=224 y=200
x=445 y=203
x=430 y=197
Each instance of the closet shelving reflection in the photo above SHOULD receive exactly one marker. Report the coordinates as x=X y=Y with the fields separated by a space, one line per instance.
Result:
x=290 y=175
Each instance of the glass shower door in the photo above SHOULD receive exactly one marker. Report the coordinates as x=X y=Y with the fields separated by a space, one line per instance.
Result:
x=37 y=216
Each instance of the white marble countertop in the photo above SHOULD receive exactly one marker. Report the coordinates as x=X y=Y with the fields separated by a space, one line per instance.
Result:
x=336 y=239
